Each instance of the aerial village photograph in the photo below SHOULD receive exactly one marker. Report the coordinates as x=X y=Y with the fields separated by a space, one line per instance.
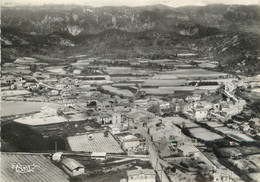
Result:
x=130 y=91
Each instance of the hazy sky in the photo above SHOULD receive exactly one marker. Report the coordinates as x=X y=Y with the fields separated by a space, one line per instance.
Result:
x=173 y=3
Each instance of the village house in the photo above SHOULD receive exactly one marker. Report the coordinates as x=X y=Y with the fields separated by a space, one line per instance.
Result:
x=245 y=127
x=40 y=75
x=103 y=106
x=73 y=167
x=109 y=117
x=178 y=105
x=141 y=175
x=200 y=113
x=122 y=107
x=194 y=98
x=60 y=86
x=221 y=177
x=168 y=132
x=216 y=107
x=50 y=81
x=141 y=103
x=68 y=102
x=116 y=117
x=163 y=104
x=53 y=92
x=189 y=151
x=136 y=116
x=104 y=118
x=131 y=142
x=10 y=79
x=17 y=86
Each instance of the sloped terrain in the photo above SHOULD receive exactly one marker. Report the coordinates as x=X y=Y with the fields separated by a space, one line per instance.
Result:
x=228 y=33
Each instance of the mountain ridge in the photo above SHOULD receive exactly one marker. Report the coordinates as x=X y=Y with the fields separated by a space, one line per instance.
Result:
x=225 y=32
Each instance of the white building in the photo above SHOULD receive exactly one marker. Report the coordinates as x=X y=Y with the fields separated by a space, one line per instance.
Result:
x=99 y=155
x=56 y=156
x=73 y=167
x=200 y=114
x=53 y=92
x=189 y=151
x=221 y=177
x=116 y=117
x=141 y=175
x=130 y=142
x=109 y=118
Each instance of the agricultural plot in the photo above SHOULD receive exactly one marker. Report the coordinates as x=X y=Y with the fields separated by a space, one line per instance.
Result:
x=207 y=65
x=165 y=77
x=98 y=143
x=195 y=73
x=117 y=91
x=56 y=69
x=181 y=121
x=204 y=134
x=215 y=124
x=157 y=91
x=235 y=134
x=80 y=63
x=9 y=93
x=171 y=89
x=16 y=71
x=243 y=150
x=15 y=108
x=26 y=60
x=126 y=72
x=255 y=159
x=161 y=83
x=45 y=117
x=255 y=176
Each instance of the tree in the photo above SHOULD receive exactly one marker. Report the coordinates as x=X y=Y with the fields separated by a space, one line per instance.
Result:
x=155 y=109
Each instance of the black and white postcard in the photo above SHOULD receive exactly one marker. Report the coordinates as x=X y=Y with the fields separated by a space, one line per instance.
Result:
x=130 y=91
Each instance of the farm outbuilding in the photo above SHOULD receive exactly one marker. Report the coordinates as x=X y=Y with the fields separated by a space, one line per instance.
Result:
x=73 y=167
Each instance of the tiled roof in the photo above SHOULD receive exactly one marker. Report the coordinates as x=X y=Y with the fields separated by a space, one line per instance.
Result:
x=72 y=164
x=140 y=171
x=44 y=170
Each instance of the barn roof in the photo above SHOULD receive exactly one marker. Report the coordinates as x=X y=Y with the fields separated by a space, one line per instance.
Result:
x=72 y=164
x=29 y=168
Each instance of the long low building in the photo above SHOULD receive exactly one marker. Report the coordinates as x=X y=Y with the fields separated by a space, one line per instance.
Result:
x=94 y=142
x=30 y=168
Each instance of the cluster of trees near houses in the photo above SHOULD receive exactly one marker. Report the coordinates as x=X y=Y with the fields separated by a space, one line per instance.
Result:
x=21 y=138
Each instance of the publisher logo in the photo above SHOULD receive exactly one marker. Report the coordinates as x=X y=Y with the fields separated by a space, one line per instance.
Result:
x=23 y=168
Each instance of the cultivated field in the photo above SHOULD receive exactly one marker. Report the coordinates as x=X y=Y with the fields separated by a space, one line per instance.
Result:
x=194 y=73
x=235 y=134
x=204 y=134
x=215 y=124
x=181 y=121
x=161 y=82
x=15 y=108
x=56 y=69
x=117 y=91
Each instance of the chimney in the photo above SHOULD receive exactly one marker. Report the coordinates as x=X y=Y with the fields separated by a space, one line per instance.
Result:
x=106 y=133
